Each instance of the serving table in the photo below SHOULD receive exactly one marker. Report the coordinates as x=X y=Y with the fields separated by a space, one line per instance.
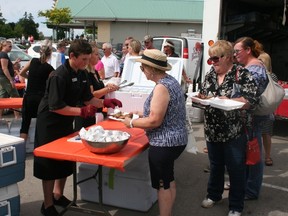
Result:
x=20 y=86
x=11 y=103
x=64 y=149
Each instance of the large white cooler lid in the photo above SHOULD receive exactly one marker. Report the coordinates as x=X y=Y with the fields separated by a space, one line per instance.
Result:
x=132 y=72
x=8 y=140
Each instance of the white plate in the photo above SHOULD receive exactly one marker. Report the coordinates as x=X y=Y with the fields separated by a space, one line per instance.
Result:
x=192 y=94
x=205 y=102
x=226 y=104
x=118 y=119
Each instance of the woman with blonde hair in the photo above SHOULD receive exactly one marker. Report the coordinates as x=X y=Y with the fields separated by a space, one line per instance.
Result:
x=224 y=130
x=98 y=89
x=134 y=47
x=39 y=71
x=7 y=86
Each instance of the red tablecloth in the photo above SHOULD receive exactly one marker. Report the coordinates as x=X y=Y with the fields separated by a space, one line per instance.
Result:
x=282 y=110
x=7 y=103
x=74 y=151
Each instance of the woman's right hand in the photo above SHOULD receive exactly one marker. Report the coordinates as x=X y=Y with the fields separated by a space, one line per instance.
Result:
x=112 y=87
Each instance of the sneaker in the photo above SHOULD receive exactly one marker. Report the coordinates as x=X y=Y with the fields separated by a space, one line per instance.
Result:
x=234 y=213
x=50 y=211
x=208 y=203
x=226 y=185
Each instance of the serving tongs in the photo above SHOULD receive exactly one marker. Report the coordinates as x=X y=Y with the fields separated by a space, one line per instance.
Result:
x=121 y=83
x=129 y=84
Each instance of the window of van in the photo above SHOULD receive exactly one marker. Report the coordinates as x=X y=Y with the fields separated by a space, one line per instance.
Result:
x=158 y=44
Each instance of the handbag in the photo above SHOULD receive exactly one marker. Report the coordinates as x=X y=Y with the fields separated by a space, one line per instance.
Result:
x=253 y=152
x=270 y=98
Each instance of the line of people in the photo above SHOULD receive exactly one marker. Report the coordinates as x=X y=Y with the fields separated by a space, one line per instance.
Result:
x=237 y=74
x=70 y=91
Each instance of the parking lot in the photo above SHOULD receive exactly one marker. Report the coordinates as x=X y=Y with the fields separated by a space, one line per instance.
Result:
x=191 y=185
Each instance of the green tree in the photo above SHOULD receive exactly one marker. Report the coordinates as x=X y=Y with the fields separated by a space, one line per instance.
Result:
x=29 y=26
x=55 y=17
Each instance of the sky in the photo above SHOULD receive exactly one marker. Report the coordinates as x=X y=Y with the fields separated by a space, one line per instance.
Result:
x=13 y=10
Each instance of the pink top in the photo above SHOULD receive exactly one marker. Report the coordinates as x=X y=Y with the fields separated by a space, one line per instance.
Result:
x=99 y=66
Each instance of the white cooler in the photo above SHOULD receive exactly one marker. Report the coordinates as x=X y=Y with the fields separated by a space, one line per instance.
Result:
x=133 y=97
x=12 y=160
x=9 y=200
x=130 y=189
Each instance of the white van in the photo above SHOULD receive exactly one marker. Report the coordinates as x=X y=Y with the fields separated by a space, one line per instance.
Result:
x=188 y=48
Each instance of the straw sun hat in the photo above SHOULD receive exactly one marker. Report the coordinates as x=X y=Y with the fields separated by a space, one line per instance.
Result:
x=155 y=58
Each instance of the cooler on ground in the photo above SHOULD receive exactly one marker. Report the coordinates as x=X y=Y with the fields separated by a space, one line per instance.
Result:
x=12 y=159
x=9 y=200
x=130 y=189
x=133 y=97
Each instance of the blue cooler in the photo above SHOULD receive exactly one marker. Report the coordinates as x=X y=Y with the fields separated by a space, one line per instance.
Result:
x=12 y=159
x=10 y=200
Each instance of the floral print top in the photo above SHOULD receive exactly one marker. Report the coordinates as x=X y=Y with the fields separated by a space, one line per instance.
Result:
x=220 y=125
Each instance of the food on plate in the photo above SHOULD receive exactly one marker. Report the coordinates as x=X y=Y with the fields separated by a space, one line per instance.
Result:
x=201 y=96
x=121 y=115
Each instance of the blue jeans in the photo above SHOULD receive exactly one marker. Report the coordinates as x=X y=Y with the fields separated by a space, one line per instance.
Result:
x=255 y=172
x=231 y=154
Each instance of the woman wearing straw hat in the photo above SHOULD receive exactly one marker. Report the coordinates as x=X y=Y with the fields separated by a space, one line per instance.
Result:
x=164 y=122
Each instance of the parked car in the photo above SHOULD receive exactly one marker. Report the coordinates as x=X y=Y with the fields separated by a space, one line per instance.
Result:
x=20 y=46
x=17 y=53
x=34 y=50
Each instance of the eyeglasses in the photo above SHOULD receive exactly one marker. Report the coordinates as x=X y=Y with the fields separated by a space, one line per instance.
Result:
x=237 y=51
x=142 y=68
x=146 y=42
x=214 y=59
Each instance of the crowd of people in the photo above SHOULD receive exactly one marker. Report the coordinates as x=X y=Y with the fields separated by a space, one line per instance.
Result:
x=68 y=96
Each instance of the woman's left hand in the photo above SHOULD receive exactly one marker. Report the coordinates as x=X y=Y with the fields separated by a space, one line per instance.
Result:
x=127 y=122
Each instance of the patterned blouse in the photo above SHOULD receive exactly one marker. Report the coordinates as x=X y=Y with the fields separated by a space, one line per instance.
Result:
x=220 y=125
x=172 y=131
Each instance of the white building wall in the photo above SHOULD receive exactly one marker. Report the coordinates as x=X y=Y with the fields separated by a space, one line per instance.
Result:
x=120 y=30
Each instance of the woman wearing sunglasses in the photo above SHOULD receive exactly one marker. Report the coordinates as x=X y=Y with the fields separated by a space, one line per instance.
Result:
x=224 y=130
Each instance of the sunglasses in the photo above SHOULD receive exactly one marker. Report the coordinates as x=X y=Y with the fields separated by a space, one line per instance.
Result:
x=214 y=59
x=238 y=51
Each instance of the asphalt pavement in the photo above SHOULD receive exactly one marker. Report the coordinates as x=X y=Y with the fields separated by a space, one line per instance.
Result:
x=191 y=180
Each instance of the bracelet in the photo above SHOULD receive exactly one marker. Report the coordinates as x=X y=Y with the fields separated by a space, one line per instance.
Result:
x=131 y=123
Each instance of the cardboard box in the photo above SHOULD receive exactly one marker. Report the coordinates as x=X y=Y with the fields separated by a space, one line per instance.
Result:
x=9 y=200
x=12 y=160
x=133 y=97
x=130 y=189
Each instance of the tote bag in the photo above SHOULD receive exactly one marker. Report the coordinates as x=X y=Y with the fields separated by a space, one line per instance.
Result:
x=270 y=98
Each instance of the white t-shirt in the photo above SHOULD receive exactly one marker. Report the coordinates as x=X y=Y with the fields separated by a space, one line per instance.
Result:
x=111 y=65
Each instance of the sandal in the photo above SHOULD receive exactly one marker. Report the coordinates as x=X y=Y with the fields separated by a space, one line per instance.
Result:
x=268 y=162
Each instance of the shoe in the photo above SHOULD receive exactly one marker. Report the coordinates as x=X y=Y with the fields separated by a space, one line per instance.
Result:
x=234 y=213
x=269 y=162
x=50 y=211
x=226 y=185
x=208 y=203
x=62 y=201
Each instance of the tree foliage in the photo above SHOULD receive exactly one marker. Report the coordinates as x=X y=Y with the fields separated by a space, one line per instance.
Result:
x=25 y=26
x=57 y=16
